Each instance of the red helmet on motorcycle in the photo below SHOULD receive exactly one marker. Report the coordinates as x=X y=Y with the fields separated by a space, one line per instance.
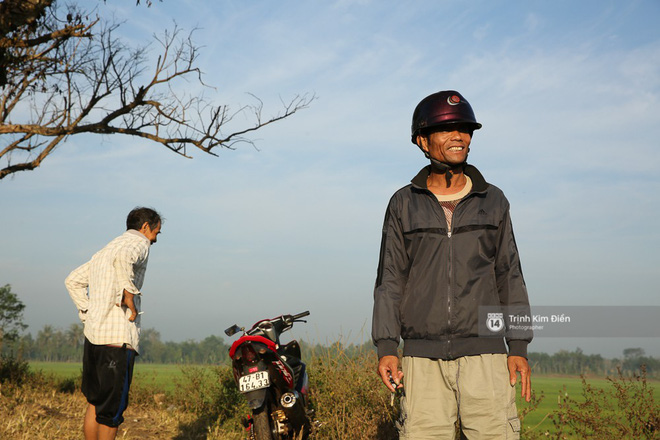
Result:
x=442 y=108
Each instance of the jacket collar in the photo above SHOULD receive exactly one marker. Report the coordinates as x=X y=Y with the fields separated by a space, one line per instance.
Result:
x=479 y=184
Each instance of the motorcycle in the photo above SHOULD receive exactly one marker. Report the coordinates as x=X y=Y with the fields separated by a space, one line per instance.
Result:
x=273 y=379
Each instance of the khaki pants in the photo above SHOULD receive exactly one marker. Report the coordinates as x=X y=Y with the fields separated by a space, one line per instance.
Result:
x=475 y=389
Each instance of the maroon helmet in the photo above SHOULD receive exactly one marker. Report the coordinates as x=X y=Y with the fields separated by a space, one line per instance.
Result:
x=442 y=108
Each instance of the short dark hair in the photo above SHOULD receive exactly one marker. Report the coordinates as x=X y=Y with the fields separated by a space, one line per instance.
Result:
x=141 y=215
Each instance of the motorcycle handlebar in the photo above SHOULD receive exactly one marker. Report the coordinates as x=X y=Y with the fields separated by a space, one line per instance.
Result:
x=301 y=315
x=279 y=324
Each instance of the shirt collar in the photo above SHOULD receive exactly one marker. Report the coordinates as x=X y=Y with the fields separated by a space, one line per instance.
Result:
x=479 y=184
x=138 y=234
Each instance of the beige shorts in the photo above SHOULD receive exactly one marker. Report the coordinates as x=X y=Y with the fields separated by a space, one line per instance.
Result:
x=475 y=389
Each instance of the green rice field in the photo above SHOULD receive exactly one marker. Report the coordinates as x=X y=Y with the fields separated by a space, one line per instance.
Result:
x=553 y=388
x=158 y=376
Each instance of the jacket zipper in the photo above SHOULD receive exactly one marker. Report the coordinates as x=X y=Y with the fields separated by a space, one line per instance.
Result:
x=451 y=275
x=449 y=282
x=451 y=268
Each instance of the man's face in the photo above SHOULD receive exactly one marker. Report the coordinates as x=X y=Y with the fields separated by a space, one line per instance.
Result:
x=151 y=234
x=448 y=145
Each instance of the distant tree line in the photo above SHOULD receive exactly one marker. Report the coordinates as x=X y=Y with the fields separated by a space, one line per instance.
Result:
x=66 y=345
x=57 y=345
x=576 y=362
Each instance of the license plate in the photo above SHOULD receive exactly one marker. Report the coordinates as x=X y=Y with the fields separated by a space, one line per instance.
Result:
x=254 y=381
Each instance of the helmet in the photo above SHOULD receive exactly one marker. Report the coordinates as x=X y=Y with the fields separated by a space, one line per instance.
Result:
x=441 y=108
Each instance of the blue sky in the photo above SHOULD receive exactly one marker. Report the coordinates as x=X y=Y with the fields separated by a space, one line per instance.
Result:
x=569 y=97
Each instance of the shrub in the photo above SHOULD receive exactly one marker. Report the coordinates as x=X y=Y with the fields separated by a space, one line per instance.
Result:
x=350 y=400
x=13 y=370
x=212 y=395
x=68 y=385
x=625 y=410
x=351 y=403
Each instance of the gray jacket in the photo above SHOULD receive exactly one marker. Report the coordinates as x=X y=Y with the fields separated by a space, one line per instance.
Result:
x=432 y=282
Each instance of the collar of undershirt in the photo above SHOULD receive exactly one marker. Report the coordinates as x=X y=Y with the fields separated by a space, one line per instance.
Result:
x=456 y=196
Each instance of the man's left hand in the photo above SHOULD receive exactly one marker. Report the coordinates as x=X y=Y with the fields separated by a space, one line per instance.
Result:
x=519 y=363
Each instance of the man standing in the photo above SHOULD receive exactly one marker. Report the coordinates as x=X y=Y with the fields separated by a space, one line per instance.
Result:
x=106 y=292
x=448 y=253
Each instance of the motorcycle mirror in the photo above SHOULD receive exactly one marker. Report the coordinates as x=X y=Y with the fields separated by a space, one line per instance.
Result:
x=231 y=331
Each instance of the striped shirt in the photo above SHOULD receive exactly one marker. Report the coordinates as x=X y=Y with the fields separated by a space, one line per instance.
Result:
x=97 y=287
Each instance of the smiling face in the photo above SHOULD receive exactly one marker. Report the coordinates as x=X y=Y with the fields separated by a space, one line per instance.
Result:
x=449 y=145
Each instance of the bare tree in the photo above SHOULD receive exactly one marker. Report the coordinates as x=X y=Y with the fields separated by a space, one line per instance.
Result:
x=65 y=73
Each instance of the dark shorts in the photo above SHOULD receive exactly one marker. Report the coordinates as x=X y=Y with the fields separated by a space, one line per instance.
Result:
x=107 y=375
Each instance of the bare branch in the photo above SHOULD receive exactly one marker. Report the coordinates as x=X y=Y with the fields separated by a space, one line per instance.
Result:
x=66 y=76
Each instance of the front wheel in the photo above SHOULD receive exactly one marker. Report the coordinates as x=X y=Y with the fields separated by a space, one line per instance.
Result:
x=261 y=424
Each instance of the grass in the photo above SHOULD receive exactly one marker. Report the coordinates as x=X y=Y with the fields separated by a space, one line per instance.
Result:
x=551 y=392
x=59 y=370
x=161 y=377
x=200 y=402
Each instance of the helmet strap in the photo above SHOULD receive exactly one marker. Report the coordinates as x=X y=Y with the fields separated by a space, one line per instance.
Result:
x=444 y=168
x=448 y=176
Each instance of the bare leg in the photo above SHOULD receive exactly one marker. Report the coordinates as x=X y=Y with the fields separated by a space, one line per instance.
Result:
x=94 y=430
x=90 y=427
x=107 y=433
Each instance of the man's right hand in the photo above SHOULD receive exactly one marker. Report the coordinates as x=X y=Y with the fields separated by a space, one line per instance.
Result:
x=128 y=302
x=388 y=369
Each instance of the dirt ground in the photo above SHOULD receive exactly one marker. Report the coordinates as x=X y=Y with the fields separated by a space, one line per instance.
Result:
x=36 y=414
